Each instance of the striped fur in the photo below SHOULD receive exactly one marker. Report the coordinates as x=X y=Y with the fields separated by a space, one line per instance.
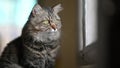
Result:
x=39 y=43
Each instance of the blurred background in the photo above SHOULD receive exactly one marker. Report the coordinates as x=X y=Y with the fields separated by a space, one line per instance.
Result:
x=85 y=30
x=13 y=16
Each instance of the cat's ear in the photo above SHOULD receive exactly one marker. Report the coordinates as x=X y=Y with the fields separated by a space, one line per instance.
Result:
x=37 y=10
x=57 y=8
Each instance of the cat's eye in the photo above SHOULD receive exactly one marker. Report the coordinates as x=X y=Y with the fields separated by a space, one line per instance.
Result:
x=46 y=22
x=58 y=19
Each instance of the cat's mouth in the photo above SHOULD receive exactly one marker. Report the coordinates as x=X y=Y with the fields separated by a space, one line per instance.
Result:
x=53 y=30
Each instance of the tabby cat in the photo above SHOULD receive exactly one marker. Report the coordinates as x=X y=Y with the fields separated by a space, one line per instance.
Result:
x=39 y=43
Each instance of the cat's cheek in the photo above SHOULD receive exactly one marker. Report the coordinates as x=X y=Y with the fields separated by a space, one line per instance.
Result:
x=54 y=36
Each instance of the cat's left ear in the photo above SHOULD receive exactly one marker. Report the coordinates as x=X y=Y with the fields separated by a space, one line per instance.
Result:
x=37 y=10
x=57 y=8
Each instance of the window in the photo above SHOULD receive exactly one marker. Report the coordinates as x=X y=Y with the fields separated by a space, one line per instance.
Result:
x=87 y=32
x=87 y=22
x=13 y=15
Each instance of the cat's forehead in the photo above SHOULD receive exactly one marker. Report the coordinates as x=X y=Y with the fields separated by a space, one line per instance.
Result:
x=43 y=11
x=48 y=12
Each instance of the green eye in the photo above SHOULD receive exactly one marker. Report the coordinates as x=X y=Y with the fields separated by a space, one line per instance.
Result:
x=57 y=21
x=46 y=22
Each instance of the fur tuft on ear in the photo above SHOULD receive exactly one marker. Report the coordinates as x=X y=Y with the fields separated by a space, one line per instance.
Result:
x=57 y=8
x=37 y=9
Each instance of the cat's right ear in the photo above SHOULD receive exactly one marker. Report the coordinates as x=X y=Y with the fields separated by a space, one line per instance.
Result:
x=57 y=8
x=37 y=10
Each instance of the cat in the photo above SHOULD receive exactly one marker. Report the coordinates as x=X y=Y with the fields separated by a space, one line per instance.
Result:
x=39 y=43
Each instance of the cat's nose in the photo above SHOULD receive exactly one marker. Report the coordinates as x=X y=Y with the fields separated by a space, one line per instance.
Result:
x=53 y=25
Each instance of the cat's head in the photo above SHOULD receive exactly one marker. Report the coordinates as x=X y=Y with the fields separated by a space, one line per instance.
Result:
x=45 y=19
x=46 y=23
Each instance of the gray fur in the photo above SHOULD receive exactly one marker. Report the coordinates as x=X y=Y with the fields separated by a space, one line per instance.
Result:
x=39 y=43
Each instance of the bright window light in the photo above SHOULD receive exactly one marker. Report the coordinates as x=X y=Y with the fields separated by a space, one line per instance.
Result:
x=15 y=11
